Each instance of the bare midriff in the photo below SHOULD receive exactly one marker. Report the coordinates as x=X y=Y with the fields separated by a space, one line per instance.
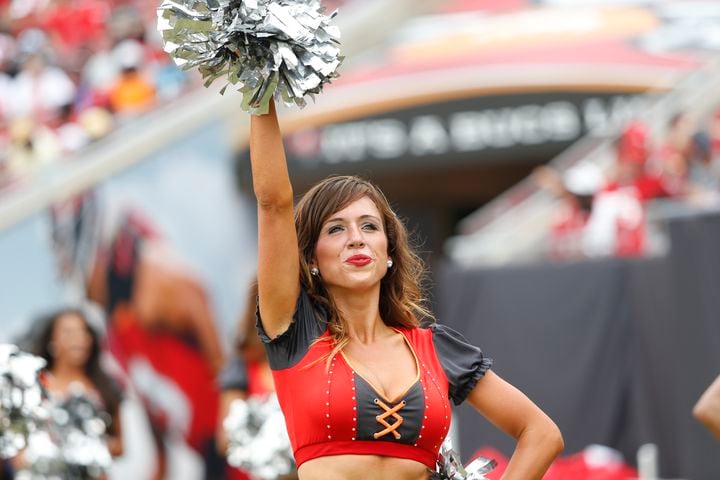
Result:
x=362 y=467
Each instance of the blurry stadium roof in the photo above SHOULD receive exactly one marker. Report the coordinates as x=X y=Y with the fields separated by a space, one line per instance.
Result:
x=462 y=48
x=469 y=48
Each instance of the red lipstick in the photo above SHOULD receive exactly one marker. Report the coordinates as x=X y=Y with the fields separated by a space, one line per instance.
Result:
x=359 y=260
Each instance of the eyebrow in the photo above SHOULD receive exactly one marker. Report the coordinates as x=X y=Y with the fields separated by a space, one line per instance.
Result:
x=362 y=217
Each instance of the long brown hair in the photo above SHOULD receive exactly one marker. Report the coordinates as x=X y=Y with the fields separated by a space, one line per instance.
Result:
x=402 y=303
x=106 y=386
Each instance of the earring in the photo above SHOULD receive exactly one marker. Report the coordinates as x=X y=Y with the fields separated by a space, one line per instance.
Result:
x=314 y=271
x=389 y=263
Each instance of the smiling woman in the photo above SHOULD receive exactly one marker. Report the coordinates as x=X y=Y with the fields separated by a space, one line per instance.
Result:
x=70 y=345
x=84 y=429
x=352 y=244
x=363 y=374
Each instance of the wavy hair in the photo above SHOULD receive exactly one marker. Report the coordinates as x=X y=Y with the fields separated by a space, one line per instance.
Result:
x=402 y=303
x=107 y=388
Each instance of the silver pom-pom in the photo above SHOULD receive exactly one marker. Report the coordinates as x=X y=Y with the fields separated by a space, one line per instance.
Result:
x=63 y=440
x=449 y=466
x=21 y=399
x=71 y=444
x=285 y=48
x=83 y=432
x=258 y=440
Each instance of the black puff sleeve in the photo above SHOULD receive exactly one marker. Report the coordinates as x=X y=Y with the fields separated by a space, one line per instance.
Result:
x=290 y=347
x=464 y=364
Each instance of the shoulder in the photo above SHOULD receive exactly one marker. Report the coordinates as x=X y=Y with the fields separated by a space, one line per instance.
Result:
x=433 y=330
x=422 y=337
x=463 y=363
x=416 y=334
x=309 y=323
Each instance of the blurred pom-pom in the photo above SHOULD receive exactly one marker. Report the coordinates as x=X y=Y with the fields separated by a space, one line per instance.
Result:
x=59 y=440
x=71 y=444
x=21 y=399
x=281 y=48
x=83 y=432
x=258 y=440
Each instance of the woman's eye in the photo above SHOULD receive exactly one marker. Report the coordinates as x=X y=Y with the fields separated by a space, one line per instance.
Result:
x=370 y=226
x=334 y=228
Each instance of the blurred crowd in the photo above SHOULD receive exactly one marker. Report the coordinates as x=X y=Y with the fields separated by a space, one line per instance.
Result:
x=71 y=71
x=605 y=213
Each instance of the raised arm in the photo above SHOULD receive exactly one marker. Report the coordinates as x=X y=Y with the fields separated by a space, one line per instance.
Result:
x=278 y=257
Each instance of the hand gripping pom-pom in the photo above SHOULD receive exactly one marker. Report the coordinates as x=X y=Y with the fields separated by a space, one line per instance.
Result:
x=281 y=48
x=449 y=466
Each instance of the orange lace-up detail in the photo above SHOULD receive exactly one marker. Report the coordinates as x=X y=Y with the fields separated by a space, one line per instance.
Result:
x=389 y=412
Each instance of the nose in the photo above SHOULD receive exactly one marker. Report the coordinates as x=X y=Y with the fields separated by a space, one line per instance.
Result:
x=355 y=237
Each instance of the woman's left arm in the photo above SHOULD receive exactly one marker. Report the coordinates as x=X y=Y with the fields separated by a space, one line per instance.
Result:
x=539 y=440
x=115 y=437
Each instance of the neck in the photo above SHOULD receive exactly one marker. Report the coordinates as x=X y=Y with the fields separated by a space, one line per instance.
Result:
x=67 y=372
x=361 y=313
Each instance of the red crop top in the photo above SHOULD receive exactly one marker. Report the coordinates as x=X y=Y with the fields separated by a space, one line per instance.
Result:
x=335 y=411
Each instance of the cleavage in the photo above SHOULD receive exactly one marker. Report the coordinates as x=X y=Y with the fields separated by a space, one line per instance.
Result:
x=374 y=382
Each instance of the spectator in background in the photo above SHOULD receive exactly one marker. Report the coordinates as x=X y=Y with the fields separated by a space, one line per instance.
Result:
x=685 y=163
x=30 y=147
x=99 y=74
x=19 y=10
x=575 y=189
x=132 y=93
x=714 y=133
x=7 y=57
x=633 y=152
x=40 y=90
x=170 y=81
x=70 y=134
x=97 y=122
x=5 y=178
x=703 y=180
x=617 y=224
x=73 y=24
x=672 y=161
x=127 y=22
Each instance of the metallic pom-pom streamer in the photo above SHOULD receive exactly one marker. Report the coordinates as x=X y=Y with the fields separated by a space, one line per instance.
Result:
x=64 y=440
x=21 y=399
x=258 y=440
x=449 y=466
x=281 y=48
x=71 y=444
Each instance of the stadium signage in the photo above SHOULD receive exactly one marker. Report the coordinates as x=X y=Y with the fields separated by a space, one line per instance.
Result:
x=478 y=128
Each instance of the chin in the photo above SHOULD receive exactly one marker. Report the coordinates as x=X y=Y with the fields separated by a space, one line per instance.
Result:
x=80 y=361
x=354 y=280
x=363 y=283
